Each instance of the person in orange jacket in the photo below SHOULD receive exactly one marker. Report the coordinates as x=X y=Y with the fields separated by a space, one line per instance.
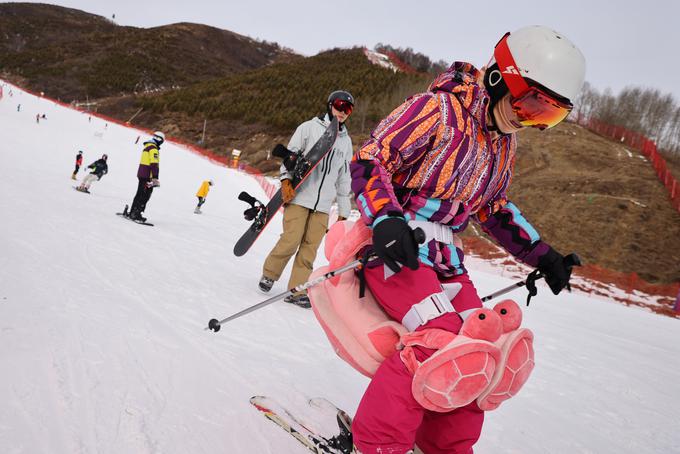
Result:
x=202 y=194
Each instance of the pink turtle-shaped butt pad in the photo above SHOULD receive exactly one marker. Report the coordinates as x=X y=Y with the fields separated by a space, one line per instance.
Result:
x=517 y=358
x=461 y=369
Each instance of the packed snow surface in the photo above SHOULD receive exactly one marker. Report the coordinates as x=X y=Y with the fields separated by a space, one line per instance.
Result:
x=102 y=340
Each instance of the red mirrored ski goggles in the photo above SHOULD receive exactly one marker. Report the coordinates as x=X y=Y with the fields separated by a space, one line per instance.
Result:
x=343 y=106
x=534 y=106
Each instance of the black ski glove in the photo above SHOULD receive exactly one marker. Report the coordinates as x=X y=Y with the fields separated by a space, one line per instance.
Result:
x=393 y=241
x=556 y=269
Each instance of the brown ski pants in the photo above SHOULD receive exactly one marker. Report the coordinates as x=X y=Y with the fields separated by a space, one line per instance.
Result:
x=303 y=230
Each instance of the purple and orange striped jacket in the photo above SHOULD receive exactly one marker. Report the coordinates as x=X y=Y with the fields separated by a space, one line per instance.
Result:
x=434 y=159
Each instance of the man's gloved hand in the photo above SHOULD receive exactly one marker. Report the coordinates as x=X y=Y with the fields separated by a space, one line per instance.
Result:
x=155 y=183
x=287 y=191
x=393 y=241
x=556 y=269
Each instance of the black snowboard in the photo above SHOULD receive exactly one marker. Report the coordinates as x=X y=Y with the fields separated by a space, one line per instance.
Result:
x=126 y=215
x=261 y=214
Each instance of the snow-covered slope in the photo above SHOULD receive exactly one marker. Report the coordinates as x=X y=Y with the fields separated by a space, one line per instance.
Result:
x=102 y=346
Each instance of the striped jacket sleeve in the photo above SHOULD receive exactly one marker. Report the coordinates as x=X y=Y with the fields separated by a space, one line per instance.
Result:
x=504 y=222
x=396 y=143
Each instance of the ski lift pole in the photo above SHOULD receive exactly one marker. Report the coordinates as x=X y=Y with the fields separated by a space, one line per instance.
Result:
x=215 y=325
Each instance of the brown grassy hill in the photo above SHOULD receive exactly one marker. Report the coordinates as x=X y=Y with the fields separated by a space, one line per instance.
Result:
x=588 y=194
x=70 y=54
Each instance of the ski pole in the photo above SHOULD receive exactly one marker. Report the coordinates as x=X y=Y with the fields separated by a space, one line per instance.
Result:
x=571 y=260
x=215 y=324
x=507 y=289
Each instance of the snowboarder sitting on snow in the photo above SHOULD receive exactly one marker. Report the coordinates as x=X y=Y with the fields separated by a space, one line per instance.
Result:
x=79 y=162
x=439 y=160
x=202 y=194
x=305 y=216
x=98 y=169
x=147 y=175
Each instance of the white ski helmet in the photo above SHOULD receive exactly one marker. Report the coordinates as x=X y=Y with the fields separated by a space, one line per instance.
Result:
x=158 y=137
x=535 y=56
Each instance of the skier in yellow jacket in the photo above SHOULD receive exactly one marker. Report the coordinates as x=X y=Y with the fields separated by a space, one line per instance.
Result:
x=202 y=194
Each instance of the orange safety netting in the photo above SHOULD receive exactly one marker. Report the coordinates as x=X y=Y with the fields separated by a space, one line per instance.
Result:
x=627 y=283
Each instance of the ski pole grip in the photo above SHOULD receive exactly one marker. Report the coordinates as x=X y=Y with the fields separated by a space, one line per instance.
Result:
x=572 y=260
x=419 y=235
x=247 y=198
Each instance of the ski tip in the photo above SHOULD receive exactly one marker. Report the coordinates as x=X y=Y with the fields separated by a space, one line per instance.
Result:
x=258 y=402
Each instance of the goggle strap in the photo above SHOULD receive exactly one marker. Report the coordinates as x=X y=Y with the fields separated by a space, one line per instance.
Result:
x=508 y=68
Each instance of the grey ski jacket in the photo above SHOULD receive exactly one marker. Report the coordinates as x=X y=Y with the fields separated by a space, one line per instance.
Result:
x=330 y=179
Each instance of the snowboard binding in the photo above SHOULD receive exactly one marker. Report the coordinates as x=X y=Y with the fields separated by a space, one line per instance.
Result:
x=289 y=157
x=293 y=161
x=257 y=211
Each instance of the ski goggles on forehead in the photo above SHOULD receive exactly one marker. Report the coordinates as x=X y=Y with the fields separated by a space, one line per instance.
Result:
x=343 y=106
x=534 y=106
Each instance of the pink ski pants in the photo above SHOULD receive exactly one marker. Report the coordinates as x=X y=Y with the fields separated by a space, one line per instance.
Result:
x=389 y=420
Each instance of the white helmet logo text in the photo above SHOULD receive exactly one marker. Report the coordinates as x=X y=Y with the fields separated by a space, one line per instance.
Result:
x=511 y=70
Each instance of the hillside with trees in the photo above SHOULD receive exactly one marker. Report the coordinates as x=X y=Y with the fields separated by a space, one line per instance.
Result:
x=584 y=193
x=72 y=55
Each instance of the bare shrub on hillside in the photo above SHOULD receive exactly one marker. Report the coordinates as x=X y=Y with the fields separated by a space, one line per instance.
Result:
x=644 y=110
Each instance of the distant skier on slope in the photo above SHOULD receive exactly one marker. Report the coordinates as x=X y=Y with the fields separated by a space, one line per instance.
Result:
x=442 y=158
x=98 y=169
x=202 y=194
x=79 y=162
x=147 y=175
x=305 y=216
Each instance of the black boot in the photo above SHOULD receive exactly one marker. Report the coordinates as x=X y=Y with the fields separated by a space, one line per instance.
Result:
x=301 y=300
x=135 y=215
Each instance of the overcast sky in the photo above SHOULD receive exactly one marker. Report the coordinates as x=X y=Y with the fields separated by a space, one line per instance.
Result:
x=624 y=42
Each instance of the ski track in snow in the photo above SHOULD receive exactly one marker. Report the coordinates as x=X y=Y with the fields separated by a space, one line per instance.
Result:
x=102 y=340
